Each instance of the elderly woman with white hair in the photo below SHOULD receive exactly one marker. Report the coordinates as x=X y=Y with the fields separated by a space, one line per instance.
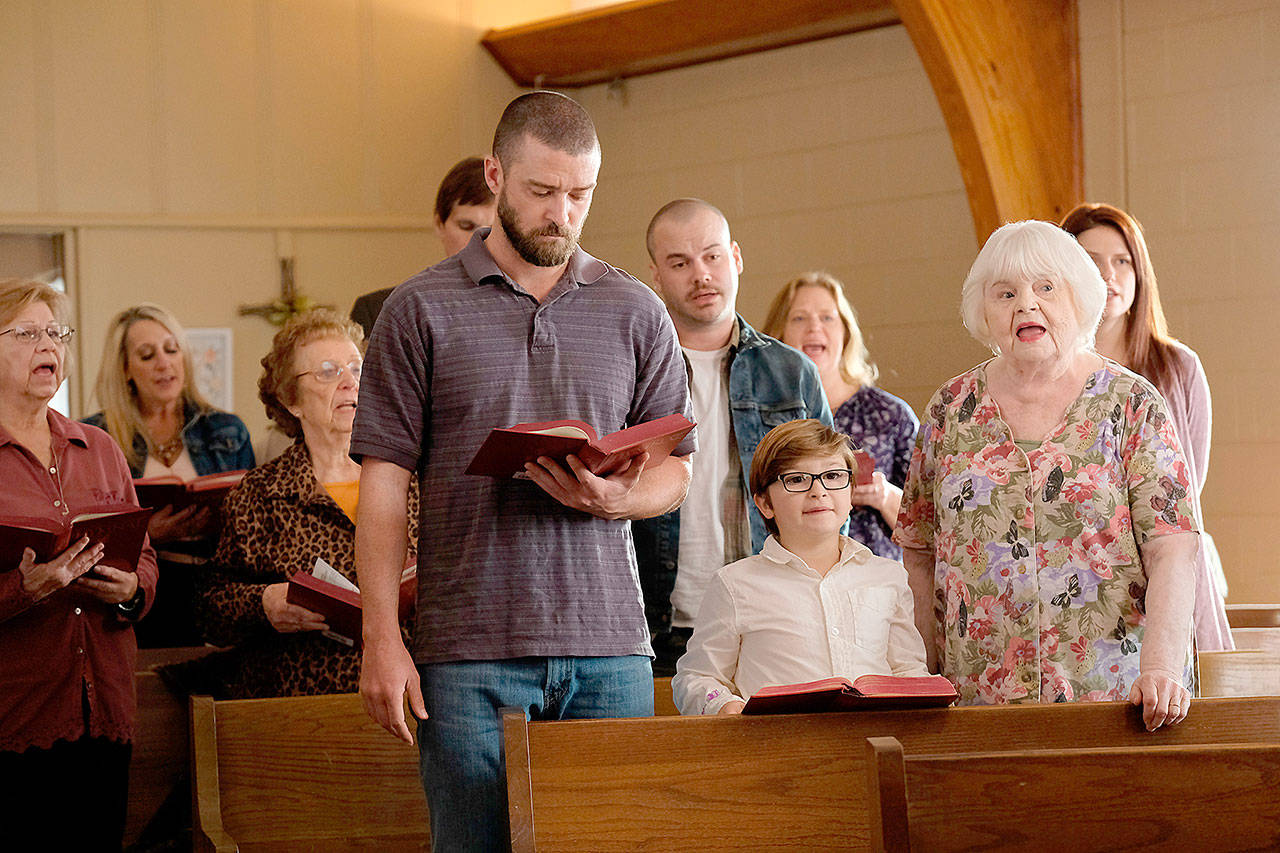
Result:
x=1046 y=526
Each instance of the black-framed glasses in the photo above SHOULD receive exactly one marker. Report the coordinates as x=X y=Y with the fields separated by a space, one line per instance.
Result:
x=799 y=481
x=331 y=371
x=31 y=334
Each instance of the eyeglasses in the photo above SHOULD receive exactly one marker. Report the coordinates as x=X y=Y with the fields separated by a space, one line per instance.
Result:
x=798 y=481
x=331 y=371
x=31 y=334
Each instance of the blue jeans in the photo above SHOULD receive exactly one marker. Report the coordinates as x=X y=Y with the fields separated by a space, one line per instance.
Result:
x=460 y=742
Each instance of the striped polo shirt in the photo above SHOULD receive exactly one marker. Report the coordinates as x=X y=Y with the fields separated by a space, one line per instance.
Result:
x=503 y=569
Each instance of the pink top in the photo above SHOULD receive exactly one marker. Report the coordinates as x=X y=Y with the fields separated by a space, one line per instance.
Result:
x=66 y=662
x=1187 y=395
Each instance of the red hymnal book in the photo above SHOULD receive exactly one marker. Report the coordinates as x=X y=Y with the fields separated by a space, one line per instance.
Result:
x=179 y=493
x=121 y=530
x=864 y=467
x=505 y=451
x=870 y=692
x=342 y=608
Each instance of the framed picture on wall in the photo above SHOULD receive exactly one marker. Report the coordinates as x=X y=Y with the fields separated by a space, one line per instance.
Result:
x=211 y=358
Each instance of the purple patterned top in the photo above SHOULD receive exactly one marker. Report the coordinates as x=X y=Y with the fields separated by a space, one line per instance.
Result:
x=885 y=427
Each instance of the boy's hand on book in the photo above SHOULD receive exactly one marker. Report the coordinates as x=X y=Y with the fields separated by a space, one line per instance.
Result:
x=289 y=618
x=109 y=584
x=42 y=579
x=577 y=488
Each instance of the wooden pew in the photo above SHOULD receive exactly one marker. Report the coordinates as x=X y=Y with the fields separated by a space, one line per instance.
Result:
x=789 y=782
x=1192 y=797
x=1253 y=615
x=303 y=773
x=1257 y=639
x=1239 y=673
x=160 y=738
x=664 y=703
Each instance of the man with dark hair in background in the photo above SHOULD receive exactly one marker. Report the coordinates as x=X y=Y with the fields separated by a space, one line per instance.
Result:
x=464 y=203
x=527 y=590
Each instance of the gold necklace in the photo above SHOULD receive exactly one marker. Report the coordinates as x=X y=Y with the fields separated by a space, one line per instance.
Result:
x=168 y=452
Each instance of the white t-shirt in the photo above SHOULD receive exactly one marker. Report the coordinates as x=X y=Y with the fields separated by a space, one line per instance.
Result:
x=702 y=533
x=770 y=619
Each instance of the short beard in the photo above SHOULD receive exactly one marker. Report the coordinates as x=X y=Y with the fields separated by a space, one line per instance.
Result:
x=526 y=243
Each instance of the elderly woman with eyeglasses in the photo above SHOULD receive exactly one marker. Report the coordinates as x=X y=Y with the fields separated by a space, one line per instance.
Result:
x=67 y=648
x=286 y=514
x=1047 y=529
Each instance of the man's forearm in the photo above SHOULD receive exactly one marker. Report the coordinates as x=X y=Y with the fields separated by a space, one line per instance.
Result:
x=382 y=531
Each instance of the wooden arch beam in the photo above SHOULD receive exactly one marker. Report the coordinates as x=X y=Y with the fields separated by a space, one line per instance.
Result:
x=1007 y=76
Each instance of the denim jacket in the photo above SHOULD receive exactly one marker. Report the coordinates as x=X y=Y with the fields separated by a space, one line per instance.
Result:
x=217 y=441
x=769 y=384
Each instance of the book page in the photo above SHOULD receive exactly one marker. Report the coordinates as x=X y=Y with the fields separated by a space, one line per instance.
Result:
x=563 y=431
x=325 y=572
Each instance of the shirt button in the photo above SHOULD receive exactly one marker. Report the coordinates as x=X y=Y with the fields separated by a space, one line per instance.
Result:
x=77 y=611
x=53 y=470
x=835 y=632
x=79 y=651
x=57 y=503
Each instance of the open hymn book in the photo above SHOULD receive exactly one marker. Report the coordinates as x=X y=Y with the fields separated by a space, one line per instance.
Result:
x=328 y=592
x=506 y=450
x=869 y=692
x=178 y=493
x=119 y=527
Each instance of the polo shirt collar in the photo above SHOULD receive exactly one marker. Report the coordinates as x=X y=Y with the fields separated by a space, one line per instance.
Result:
x=63 y=431
x=482 y=268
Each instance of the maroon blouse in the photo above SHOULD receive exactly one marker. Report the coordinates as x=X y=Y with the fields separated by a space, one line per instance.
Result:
x=67 y=661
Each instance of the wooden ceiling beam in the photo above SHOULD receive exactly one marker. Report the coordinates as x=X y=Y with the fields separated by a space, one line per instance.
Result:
x=647 y=36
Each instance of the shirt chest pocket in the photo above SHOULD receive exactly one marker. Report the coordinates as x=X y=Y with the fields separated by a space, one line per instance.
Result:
x=871 y=609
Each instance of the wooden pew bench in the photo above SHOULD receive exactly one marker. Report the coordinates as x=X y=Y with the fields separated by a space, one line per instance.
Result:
x=1192 y=797
x=308 y=773
x=1242 y=672
x=798 y=782
x=1253 y=615
x=160 y=740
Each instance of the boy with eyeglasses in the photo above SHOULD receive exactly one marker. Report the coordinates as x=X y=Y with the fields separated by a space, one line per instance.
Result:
x=813 y=603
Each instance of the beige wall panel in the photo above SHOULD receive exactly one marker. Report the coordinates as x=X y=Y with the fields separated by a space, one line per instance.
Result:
x=334 y=267
x=1202 y=131
x=831 y=155
x=201 y=276
x=317 y=127
x=212 y=83
x=103 y=90
x=20 y=114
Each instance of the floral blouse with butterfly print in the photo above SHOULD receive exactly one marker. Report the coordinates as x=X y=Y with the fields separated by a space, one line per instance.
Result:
x=1039 y=589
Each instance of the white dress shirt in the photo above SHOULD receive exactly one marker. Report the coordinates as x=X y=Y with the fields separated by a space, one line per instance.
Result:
x=770 y=619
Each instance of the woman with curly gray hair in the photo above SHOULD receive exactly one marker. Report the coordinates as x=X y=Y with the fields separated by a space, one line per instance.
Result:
x=286 y=514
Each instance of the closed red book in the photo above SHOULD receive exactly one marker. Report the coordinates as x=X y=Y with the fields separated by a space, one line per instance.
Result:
x=506 y=450
x=120 y=528
x=867 y=692
x=342 y=608
x=178 y=493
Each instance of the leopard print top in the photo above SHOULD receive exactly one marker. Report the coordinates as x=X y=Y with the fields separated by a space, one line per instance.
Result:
x=274 y=525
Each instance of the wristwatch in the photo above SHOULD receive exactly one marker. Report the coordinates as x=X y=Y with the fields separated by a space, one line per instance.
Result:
x=131 y=608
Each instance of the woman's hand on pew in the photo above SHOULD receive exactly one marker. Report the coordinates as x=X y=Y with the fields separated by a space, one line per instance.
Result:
x=387 y=673
x=1164 y=700
x=734 y=706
